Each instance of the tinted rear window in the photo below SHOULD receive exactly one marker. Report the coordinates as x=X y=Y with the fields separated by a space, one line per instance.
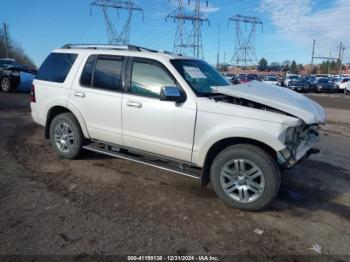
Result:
x=56 y=67
x=103 y=72
x=107 y=73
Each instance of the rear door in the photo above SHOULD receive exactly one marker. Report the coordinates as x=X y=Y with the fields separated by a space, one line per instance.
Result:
x=97 y=94
x=160 y=127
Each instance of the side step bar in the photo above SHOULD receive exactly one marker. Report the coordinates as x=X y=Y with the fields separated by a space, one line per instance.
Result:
x=161 y=164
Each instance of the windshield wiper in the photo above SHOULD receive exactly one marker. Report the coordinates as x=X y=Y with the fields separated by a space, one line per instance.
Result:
x=209 y=94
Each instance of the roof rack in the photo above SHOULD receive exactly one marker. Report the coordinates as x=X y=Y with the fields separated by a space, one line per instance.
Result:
x=108 y=47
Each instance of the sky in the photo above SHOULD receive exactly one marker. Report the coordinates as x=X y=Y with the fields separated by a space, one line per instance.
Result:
x=289 y=26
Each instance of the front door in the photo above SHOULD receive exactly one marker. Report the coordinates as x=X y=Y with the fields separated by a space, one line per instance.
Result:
x=159 y=127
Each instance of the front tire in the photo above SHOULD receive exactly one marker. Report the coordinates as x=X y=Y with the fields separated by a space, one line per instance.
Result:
x=6 y=85
x=65 y=136
x=245 y=177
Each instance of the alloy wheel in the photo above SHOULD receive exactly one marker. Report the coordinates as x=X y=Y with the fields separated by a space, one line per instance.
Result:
x=242 y=180
x=5 y=84
x=64 y=137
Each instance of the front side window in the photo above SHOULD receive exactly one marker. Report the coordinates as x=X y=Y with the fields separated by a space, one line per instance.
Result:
x=56 y=67
x=199 y=75
x=102 y=72
x=148 y=78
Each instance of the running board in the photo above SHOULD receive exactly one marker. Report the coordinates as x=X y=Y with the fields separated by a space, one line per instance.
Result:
x=165 y=165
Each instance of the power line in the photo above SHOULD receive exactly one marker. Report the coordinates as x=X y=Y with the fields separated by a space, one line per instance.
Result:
x=114 y=36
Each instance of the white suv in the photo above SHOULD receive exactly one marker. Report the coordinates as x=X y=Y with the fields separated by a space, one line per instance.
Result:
x=175 y=113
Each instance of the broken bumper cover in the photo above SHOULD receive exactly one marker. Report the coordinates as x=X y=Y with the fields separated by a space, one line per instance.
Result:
x=299 y=145
x=285 y=158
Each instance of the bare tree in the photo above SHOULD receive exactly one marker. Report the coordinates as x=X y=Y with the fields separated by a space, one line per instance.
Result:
x=15 y=51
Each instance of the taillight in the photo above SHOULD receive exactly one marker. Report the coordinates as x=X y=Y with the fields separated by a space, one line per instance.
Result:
x=32 y=94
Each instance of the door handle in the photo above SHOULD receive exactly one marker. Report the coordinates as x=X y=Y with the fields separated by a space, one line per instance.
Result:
x=79 y=94
x=134 y=104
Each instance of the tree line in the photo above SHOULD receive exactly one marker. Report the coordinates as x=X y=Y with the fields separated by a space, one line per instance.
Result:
x=15 y=51
x=324 y=68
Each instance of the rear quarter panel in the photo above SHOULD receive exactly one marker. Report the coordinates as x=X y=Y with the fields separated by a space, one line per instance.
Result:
x=51 y=94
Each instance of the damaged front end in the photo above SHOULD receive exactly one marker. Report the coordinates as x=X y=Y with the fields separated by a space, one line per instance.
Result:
x=299 y=143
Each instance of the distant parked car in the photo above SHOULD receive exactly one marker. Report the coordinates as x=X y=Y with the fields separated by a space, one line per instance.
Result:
x=347 y=88
x=248 y=78
x=270 y=80
x=299 y=85
x=309 y=79
x=324 y=85
x=289 y=78
x=15 y=77
x=232 y=78
x=341 y=83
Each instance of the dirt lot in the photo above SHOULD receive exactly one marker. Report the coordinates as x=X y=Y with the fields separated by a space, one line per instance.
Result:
x=102 y=205
x=338 y=101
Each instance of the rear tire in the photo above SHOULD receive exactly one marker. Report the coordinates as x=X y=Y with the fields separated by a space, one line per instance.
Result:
x=65 y=136
x=245 y=177
x=6 y=85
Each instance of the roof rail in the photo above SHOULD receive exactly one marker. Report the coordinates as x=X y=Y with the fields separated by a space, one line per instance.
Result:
x=108 y=47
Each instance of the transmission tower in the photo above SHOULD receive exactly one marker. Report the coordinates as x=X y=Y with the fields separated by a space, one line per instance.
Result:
x=193 y=41
x=245 y=27
x=180 y=35
x=115 y=37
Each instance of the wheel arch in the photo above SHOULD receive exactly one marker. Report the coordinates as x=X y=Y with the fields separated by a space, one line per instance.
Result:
x=226 y=142
x=59 y=109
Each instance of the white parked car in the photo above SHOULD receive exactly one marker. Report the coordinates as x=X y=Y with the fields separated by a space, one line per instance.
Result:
x=341 y=83
x=272 y=80
x=289 y=78
x=347 y=88
x=175 y=113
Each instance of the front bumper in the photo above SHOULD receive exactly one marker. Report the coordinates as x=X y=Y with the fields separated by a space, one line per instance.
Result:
x=299 y=144
x=289 y=162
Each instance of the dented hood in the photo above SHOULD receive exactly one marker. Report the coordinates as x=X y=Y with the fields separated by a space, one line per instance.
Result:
x=279 y=98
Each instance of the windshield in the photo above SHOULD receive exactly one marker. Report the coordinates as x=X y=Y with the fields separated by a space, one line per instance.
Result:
x=324 y=80
x=7 y=62
x=251 y=77
x=200 y=76
x=10 y=64
x=270 y=78
x=294 y=77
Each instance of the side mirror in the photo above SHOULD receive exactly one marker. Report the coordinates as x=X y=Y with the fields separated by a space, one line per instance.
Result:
x=172 y=93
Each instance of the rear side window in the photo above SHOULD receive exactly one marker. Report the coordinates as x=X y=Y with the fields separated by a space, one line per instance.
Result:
x=86 y=76
x=56 y=67
x=103 y=72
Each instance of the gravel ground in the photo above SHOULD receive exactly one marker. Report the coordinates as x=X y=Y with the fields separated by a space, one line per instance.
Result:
x=103 y=205
x=337 y=110
x=338 y=101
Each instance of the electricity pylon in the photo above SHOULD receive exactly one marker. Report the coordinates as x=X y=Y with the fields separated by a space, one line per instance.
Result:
x=180 y=35
x=193 y=41
x=245 y=27
x=115 y=37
